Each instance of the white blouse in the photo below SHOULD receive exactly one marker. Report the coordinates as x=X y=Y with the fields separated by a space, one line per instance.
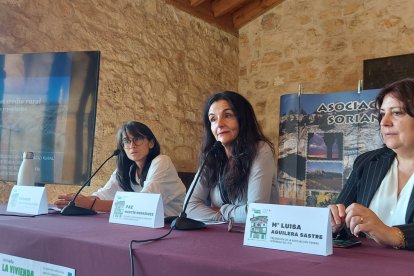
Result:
x=162 y=178
x=386 y=203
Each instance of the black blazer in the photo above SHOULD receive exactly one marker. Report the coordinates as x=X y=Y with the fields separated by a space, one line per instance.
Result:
x=368 y=171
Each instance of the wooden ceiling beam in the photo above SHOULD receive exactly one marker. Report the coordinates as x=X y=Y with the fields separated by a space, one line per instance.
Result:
x=229 y=15
x=221 y=7
x=252 y=10
x=204 y=12
x=195 y=3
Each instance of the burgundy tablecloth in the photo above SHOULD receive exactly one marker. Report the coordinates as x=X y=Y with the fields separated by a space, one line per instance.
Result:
x=93 y=246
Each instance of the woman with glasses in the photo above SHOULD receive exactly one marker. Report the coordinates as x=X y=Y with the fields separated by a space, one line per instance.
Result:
x=240 y=172
x=140 y=168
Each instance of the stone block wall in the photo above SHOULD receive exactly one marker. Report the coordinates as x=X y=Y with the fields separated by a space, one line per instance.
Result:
x=158 y=65
x=320 y=44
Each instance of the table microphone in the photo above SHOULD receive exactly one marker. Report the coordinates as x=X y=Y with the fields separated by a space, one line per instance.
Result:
x=71 y=209
x=182 y=222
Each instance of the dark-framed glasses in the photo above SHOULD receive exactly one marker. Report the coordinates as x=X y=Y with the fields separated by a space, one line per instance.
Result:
x=137 y=141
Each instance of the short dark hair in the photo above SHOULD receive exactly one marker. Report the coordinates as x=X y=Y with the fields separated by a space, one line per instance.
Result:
x=402 y=90
x=135 y=129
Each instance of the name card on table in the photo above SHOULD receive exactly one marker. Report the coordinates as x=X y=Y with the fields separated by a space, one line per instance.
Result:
x=290 y=228
x=28 y=200
x=138 y=209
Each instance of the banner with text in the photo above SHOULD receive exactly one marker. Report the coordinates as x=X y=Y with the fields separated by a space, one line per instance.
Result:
x=12 y=265
x=320 y=135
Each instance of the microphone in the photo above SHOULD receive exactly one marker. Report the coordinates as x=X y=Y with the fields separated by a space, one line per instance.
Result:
x=71 y=209
x=182 y=222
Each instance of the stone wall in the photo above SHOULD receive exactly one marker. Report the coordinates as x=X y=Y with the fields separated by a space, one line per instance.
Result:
x=320 y=44
x=158 y=65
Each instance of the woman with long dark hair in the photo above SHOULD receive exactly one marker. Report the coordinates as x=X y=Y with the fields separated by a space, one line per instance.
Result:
x=240 y=172
x=140 y=168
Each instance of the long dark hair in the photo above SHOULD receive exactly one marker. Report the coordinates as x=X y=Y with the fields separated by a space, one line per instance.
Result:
x=244 y=148
x=402 y=90
x=135 y=129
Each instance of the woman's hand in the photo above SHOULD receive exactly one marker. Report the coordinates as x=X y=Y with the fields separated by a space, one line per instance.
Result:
x=361 y=219
x=217 y=209
x=81 y=201
x=63 y=200
x=337 y=217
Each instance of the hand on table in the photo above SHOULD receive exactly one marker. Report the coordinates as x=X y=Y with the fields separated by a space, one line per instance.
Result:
x=217 y=209
x=361 y=219
x=81 y=201
x=337 y=217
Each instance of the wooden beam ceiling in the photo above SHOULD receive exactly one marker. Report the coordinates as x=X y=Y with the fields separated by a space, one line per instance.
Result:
x=229 y=15
x=221 y=7
x=195 y=3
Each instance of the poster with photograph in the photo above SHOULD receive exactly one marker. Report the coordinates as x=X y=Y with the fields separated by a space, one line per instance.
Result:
x=320 y=135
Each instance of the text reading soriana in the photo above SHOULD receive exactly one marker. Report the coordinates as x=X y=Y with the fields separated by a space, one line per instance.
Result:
x=353 y=106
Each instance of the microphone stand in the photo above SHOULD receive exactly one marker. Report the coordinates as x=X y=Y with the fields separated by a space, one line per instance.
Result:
x=182 y=222
x=71 y=209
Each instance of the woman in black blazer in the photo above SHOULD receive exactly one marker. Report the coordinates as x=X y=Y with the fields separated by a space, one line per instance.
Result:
x=378 y=198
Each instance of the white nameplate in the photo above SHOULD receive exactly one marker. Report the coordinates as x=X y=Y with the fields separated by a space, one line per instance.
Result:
x=12 y=265
x=290 y=228
x=28 y=200
x=138 y=209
